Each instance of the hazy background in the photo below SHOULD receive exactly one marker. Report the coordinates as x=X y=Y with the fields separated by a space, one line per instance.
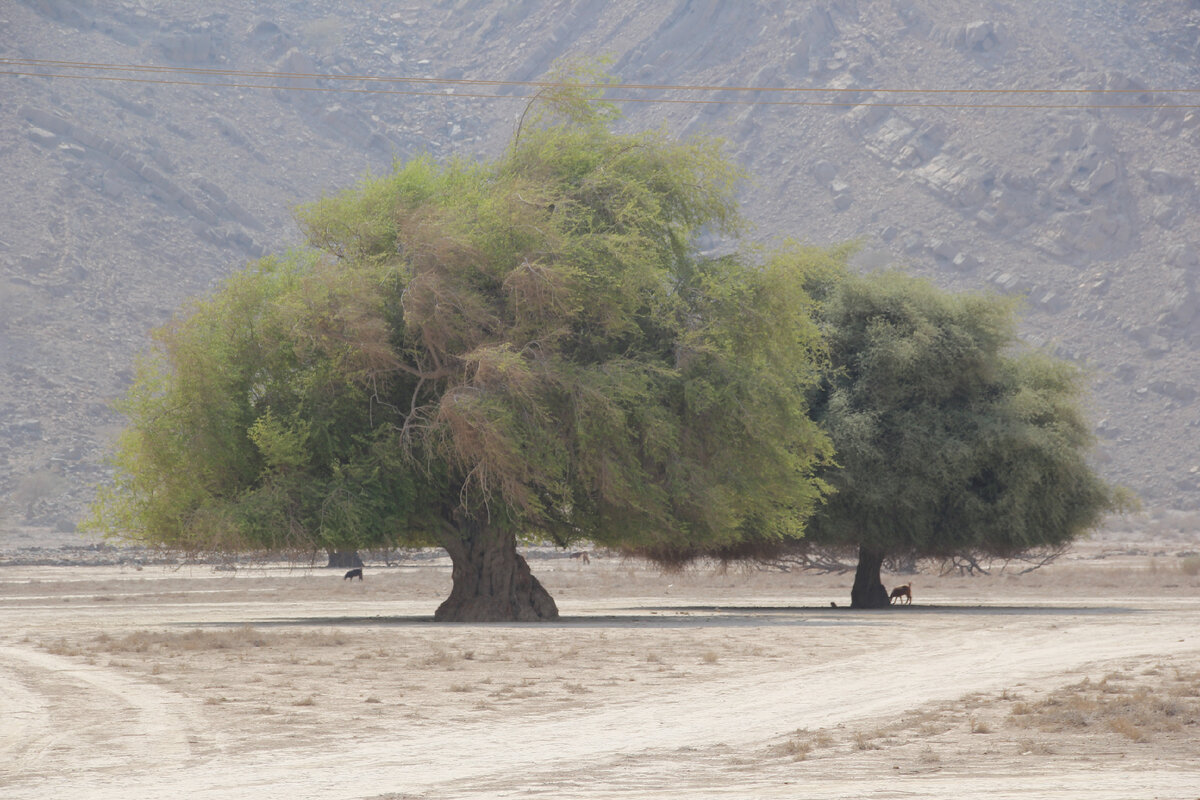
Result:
x=126 y=196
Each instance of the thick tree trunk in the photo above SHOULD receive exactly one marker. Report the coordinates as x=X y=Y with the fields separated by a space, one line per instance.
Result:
x=868 y=591
x=343 y=559
x=492 y=582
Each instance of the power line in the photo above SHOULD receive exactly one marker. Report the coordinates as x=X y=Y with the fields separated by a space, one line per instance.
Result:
x=210 y=85
x=91 y=65
x=453 y=94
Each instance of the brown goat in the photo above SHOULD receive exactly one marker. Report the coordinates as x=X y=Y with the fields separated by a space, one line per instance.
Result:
x=904 y=592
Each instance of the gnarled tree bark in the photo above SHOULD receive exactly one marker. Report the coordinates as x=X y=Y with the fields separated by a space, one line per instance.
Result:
x=492 y=581
x=868 y=591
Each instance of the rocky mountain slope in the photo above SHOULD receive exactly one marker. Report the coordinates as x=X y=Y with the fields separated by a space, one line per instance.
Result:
x=128 y=192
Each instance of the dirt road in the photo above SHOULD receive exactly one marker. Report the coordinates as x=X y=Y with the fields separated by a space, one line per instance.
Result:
x=115 y=684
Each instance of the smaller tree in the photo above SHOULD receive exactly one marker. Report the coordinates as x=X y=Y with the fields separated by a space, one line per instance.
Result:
x=949 y=438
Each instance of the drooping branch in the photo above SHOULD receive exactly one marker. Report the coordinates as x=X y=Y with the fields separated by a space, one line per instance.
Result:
x=818 y=561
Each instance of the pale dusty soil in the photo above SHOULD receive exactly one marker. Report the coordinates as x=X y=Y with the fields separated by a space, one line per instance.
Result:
x=292 y=683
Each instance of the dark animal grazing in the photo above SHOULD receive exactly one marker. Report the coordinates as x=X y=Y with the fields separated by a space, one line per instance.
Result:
x=352 y=574
x=904 y=592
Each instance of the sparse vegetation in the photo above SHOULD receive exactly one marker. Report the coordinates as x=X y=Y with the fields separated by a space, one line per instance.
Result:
x=864 y=740
x=1118 y=703
x=796 y=749
x=259 y=685
x=980 y=726
x=929 y=756
x=245 y=636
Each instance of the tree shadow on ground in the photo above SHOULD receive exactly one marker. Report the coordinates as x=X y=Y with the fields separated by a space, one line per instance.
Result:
x=701 y=617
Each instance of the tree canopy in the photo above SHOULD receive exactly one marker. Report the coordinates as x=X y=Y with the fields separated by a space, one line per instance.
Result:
x=950 y=438
x=469 y=353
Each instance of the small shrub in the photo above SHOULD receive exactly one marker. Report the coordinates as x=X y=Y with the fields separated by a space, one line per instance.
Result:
x=796 y=749
x=439 y=658
x=1021 y=709
x=1127 y=728
x=864 y=741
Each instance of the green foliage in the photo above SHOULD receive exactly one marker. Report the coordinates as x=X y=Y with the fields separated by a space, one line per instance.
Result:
x=535 y=342
x=950 y=439
x=252 y=423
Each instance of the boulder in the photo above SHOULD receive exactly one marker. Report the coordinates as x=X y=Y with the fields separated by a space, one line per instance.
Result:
x=824 y=171
x=296 y=65
x=979 y=36
x=188 y=48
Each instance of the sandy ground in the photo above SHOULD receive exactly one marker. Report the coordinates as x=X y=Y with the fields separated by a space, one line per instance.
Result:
x=1079 y=680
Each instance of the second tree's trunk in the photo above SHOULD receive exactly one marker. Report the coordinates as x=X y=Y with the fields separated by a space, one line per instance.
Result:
x=868 y=591
x=343 y=559
x=492 y=582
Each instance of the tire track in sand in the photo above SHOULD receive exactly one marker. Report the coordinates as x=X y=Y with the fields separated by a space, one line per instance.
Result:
x=970 y=653
x=63 y=718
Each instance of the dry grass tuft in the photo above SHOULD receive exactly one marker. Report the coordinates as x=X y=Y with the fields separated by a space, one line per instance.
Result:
x=980 y=726
x=796 y=749
x=1117 y=703
x=1035 y=747
x=866 y=741
x=1127 y=728
x=62 y=647
x=802 y=744
x=440 y=657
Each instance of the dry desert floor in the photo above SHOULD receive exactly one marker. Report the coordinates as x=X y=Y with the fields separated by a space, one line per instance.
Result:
x=1081 y=679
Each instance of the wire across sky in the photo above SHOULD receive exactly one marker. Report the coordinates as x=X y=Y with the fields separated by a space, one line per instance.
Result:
x=466 y=88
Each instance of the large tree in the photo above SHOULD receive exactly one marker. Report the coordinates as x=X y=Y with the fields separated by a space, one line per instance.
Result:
x=950 y=438
x=471 y=353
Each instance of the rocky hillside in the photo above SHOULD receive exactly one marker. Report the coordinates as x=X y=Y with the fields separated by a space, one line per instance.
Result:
x=128 y=192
